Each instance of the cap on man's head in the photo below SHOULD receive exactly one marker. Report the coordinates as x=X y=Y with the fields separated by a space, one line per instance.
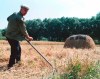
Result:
x=23 y=6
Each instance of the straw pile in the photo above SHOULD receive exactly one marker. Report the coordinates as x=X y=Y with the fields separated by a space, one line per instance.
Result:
x=79 y=41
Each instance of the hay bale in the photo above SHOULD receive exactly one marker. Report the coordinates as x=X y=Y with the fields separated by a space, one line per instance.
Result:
x=79 y=41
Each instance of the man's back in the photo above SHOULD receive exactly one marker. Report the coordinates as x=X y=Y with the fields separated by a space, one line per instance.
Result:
x=13 y=29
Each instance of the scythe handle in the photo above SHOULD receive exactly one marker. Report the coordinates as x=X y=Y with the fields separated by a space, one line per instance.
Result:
x=40 y=54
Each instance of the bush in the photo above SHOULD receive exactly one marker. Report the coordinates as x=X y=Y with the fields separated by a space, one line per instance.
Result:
x=92 y=72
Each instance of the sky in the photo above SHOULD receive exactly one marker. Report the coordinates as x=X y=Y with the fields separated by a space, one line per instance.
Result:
x=40 y=9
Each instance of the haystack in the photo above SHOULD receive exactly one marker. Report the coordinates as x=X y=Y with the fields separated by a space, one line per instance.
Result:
x=79 y=41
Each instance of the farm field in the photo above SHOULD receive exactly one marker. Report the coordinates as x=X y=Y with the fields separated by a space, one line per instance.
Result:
x=33 y=66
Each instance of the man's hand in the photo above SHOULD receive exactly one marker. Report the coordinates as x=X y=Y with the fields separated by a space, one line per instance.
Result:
x=30 y=38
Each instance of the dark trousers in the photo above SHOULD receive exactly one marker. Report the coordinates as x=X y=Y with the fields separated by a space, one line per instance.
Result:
x=15 y=52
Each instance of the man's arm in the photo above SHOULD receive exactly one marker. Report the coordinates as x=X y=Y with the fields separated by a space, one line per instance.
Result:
x=23 y=30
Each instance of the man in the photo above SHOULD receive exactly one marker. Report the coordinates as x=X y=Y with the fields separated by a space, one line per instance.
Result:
x=16 y=31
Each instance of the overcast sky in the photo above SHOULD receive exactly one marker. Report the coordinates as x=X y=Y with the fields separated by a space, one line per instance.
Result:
x=49 y=9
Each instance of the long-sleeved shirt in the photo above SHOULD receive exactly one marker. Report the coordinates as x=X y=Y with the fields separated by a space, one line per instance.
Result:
x=16 y=28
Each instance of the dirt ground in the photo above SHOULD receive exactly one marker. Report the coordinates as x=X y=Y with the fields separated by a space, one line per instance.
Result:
x=33 y=66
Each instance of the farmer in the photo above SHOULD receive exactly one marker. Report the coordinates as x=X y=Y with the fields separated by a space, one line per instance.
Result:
x=16 y=31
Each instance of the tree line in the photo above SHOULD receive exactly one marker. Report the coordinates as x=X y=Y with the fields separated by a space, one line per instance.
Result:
x=58 y=29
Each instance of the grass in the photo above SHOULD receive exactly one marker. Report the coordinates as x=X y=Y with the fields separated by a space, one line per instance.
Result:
x=76 y=71
x=69 y=63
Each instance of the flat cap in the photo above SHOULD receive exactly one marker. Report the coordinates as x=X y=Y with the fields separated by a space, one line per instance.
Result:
x=24 y=6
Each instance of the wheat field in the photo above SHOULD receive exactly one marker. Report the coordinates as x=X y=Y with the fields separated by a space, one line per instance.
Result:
x=33 y=66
